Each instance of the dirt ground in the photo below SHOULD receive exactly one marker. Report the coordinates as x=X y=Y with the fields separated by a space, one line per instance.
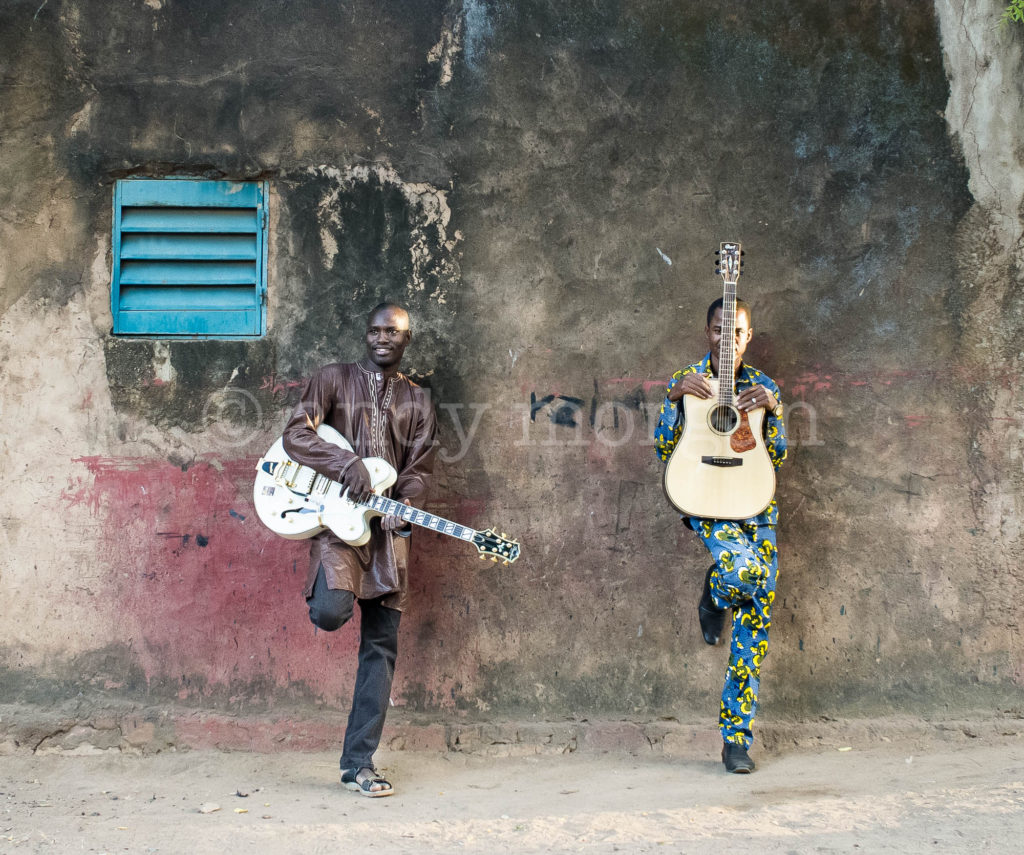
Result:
x=883 y=797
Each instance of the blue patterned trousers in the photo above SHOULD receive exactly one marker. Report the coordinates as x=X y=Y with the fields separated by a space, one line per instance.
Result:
x=746 y=567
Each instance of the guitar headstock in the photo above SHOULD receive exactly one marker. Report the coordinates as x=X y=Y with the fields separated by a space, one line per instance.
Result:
x=729 y=262
x=497 y=546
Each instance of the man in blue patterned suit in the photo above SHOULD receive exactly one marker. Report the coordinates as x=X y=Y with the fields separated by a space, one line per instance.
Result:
x=742 y=579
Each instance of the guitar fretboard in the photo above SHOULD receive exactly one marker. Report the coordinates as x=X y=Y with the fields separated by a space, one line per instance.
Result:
x=726 y=363
x=420 y=518
x=729 y=259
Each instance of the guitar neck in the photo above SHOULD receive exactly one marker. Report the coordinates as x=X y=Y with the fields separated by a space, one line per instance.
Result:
x=729 y=264
x=421 y=518
x=726 y=352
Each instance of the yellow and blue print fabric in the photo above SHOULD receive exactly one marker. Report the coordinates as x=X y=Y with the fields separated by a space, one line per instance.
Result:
x=743 y=579
x=746 y=560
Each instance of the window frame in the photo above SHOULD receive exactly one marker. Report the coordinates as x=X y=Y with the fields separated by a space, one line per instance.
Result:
x=221 y=245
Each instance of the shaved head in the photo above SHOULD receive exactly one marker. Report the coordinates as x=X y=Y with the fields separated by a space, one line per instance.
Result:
x=382 y=307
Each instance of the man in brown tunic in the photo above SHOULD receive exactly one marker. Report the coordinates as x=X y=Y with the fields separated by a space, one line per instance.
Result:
x=382 y=414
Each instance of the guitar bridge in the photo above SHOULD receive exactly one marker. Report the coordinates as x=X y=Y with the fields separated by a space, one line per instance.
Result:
x=722 y=461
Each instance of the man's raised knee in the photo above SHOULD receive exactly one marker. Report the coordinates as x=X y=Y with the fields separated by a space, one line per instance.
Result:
x=331 y=615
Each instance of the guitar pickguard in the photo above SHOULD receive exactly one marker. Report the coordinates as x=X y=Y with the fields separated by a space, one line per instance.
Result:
x=742 y=438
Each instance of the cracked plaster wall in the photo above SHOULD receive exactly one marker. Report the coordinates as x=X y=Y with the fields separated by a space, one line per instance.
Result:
x=542 y=183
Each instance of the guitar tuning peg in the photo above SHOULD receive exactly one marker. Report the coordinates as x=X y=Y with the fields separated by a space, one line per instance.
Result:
x=717 y=251
x=494 y=558
x=505 y=563
x=483 y=557
x=743 y=252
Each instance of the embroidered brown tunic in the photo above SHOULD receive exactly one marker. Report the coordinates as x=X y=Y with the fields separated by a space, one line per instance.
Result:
x=381 y=417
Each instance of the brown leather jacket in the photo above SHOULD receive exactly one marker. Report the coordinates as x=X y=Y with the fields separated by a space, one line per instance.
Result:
x=393 y=419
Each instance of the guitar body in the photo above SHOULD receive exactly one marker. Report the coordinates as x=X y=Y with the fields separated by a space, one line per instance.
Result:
x=716 y=472
x=294 y=502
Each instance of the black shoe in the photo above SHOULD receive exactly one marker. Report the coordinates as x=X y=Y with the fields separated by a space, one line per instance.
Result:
x=712 y=618
x=736 y=759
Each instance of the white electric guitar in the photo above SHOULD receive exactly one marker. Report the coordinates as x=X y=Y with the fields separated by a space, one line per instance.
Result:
x=296 y=502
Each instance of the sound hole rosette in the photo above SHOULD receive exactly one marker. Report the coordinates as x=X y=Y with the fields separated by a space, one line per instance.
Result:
x=723 y=419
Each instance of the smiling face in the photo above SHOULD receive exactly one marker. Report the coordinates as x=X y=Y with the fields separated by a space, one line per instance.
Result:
x=742 y=335
x=387 y=336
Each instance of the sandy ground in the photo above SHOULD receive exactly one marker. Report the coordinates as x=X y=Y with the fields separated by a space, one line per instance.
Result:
x=951 y=798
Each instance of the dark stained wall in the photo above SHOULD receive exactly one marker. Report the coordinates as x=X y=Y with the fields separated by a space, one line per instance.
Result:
x=543 y=184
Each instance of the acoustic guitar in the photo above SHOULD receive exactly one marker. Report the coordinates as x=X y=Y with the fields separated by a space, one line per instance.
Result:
x=720 y=467
x=296 y=502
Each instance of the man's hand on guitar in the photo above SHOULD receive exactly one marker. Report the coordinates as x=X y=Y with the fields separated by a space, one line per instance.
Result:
x=691 y=384
x=755 y=397
x=357 y=480
x=393 y=522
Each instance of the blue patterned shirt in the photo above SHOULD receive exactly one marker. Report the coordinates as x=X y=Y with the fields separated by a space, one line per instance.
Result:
x=670 y=426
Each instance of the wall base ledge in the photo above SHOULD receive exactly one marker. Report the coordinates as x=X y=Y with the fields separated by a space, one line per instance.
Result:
x=139 y=729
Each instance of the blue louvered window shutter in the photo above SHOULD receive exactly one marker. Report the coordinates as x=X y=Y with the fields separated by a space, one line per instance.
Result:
x=189 y=258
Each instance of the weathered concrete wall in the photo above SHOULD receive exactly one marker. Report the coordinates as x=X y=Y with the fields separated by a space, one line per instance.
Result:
x=543 y=183
x=985 y=114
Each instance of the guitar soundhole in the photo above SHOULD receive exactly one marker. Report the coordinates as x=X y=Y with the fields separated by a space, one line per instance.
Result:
x=723 y=419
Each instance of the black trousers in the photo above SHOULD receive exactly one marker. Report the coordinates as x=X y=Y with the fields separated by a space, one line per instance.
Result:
x=378 y=648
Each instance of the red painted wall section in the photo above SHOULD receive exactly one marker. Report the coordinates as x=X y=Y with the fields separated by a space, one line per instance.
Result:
x=210 y=602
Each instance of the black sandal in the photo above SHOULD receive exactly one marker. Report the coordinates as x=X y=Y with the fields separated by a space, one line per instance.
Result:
x=350 y=778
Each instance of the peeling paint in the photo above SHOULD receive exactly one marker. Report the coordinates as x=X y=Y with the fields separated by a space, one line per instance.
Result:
x=191 y=572
x=447 y=49
x=163 y=370
x=430 y=270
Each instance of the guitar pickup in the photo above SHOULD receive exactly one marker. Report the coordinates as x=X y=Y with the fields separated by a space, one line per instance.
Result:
x=722 y=461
